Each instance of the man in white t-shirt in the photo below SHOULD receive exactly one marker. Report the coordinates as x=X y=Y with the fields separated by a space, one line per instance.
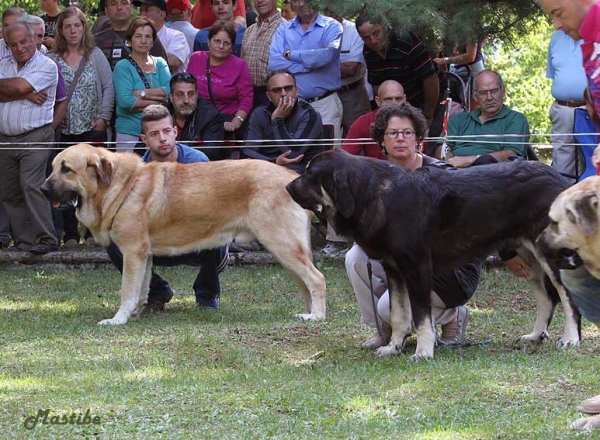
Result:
x=174 y=42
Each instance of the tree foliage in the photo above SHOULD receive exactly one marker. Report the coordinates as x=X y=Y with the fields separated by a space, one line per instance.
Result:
x=442 y=21
x=522 y=64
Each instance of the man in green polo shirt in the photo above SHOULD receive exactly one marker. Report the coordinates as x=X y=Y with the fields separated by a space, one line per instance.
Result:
x=492 y=133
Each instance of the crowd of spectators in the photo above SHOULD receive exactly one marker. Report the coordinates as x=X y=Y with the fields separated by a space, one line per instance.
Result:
x=267 y=91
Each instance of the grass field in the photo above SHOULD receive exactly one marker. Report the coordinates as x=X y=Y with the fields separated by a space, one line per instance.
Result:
x=253 y=371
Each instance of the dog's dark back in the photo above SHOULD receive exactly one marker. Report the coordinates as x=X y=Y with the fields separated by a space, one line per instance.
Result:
x=456 y=215
x=486 y=207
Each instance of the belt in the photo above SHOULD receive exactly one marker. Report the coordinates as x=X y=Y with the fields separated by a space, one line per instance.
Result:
x=323 y=96
x=351 y=86
x=571 y=104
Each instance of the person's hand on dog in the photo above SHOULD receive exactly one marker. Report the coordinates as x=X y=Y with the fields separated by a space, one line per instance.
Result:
x=283 y=160
x=518 y=267
x=284 y=108
x=37 y=98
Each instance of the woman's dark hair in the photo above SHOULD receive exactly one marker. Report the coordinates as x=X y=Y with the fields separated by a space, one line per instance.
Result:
x=402 y=110
x=183 y=77
x=226 y=26
x=138 y=23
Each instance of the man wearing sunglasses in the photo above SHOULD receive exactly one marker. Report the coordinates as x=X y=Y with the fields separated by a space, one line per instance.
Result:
x=283 y=131
x=492 y=133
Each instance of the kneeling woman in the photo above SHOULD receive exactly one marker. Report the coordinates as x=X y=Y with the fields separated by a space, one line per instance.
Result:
x=399 y=129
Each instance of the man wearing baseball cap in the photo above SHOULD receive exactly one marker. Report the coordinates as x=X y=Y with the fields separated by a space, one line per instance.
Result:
x=174 y=42
x=180 y=14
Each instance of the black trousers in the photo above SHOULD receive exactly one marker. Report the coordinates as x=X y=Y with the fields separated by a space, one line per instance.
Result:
x=206 y=285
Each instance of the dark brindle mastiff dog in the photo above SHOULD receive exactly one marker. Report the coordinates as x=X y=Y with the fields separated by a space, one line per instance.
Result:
x=171 y=208
x=431 y=220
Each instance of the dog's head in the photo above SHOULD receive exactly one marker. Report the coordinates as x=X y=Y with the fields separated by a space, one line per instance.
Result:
x=573 y=236
x=77 y=174
x=324 y=187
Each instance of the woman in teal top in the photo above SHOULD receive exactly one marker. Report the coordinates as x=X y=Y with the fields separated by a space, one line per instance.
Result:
x=140 y=80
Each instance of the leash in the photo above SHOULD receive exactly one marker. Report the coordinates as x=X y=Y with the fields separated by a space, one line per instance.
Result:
x=370 y=275
x=464 y=344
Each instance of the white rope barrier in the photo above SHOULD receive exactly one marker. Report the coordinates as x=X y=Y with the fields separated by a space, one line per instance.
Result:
x=235 y=144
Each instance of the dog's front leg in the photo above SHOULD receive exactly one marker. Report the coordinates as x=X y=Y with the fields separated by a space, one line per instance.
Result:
x=134 y=271
x=419 y=286
x=143 y=298
x=401 y=316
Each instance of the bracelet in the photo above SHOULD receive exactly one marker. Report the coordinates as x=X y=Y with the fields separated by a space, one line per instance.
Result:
x=240 y=118
x=446 y=60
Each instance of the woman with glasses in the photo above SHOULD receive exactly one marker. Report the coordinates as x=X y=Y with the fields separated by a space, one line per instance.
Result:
x=223 y=78
x=399 y=129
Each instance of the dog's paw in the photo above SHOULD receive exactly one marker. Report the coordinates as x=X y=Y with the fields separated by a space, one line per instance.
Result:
x=309 y=317
x=533 y=337
x=113 y=321
x=420 y=357
x=388 y=350
x=586 y=423
x=567 y=343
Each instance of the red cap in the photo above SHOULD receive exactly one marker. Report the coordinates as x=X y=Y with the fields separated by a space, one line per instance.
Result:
x=182 y=5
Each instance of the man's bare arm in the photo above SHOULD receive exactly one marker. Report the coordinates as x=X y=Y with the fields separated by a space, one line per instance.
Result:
x=14 y=88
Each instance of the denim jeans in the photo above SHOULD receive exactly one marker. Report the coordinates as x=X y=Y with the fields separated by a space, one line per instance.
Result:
x=585 y=291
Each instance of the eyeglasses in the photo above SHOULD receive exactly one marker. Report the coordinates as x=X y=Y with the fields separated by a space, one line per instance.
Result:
x=393 y=134
x=218 y=42
x=485 y=93
x=287 y=88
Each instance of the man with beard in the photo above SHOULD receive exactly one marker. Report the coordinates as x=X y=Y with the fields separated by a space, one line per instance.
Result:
x=195 y=118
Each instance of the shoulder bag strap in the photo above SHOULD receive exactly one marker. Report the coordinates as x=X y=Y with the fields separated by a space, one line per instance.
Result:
x=76 y=77
x=210 y=92
x=139 y=71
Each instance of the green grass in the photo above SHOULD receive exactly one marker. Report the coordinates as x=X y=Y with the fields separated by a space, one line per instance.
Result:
x=253 y=371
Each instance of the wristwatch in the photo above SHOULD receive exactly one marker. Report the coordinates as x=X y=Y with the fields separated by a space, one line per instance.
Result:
x=143 y=94
x=240 y=118
x=287 y=54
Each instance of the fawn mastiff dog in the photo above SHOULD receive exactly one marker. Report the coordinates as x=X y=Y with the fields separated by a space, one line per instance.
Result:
x=573 y=236
x=417 y=222
x=170 y=208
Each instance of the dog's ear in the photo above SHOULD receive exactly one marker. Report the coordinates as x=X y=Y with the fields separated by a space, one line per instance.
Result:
x=103 y=168
x=585 y=214
x=342 y=192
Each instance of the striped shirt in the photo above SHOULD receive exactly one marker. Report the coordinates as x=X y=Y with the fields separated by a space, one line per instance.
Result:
x=256 y=45
x=406 y=61
x=20 y=116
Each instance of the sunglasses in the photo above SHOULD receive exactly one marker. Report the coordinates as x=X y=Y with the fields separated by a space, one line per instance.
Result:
x=288 y=89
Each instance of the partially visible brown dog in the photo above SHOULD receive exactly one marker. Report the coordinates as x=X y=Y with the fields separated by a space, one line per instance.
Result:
x=573 y=235
x=170 y=209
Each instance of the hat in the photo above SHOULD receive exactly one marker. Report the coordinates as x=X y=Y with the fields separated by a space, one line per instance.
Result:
x=161 y=4
x=182 y=5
